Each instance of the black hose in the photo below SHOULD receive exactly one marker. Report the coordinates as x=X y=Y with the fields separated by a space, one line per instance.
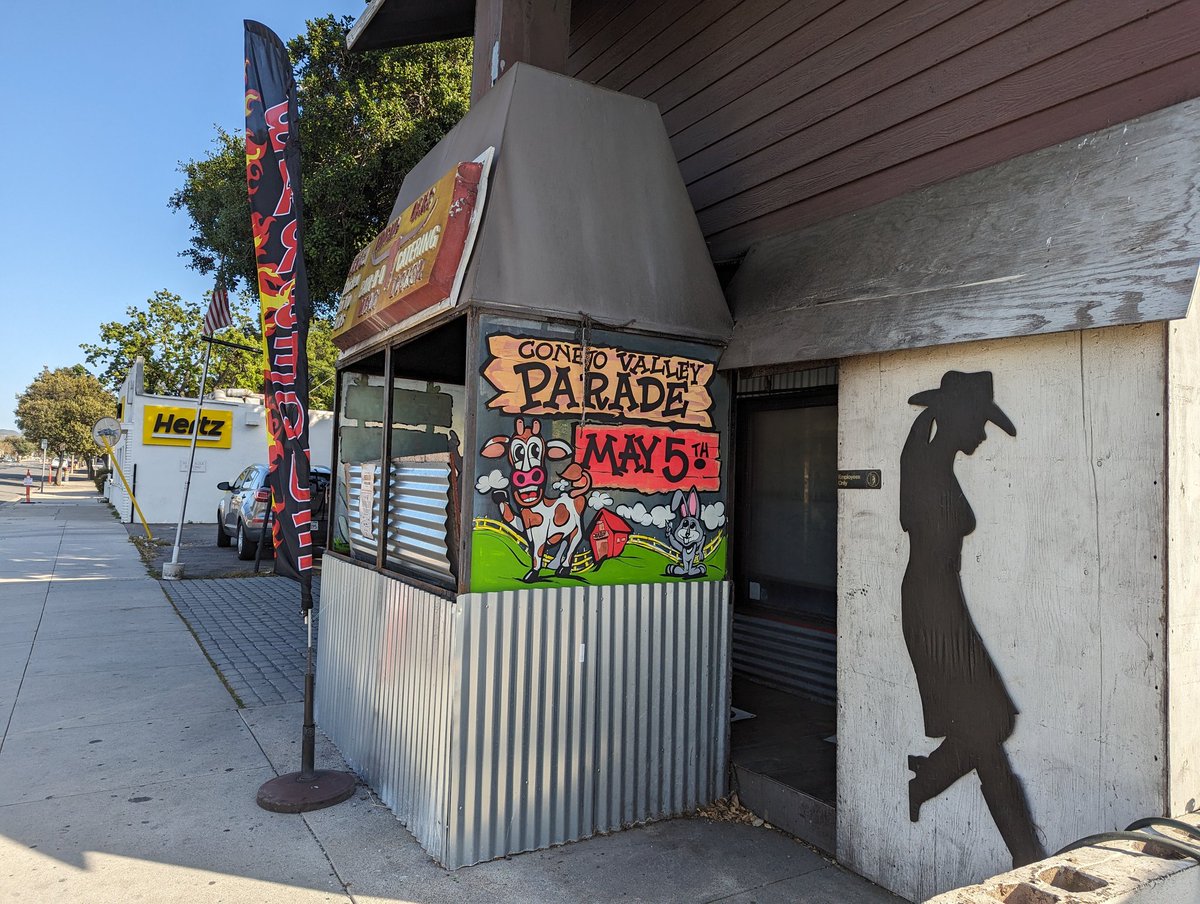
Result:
x=1179 y=847
x=1190 y=830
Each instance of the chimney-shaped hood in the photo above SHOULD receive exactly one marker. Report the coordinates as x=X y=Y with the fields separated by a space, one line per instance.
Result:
x=585 y=213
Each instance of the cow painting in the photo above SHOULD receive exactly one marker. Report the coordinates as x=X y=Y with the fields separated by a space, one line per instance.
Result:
x=547 y=523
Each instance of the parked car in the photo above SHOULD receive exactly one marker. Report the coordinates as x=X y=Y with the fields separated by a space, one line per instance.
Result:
x=242 y=511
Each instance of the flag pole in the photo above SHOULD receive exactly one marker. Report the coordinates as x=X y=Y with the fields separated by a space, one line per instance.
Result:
x=173 y=570
x=276 y=201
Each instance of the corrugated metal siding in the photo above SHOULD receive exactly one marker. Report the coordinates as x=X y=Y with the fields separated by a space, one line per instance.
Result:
x=784 y=113
x=416 y=519
x=419 y=491
x=553 y=749
x=791 y=657
x=384 y=692
x=787 y=381
x=512 y=721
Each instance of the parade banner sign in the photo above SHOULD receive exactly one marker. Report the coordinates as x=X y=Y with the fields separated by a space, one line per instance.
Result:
x=273 y=180
x=649 y=459
x=599 y=459
x=416 y=262
x=545 y=376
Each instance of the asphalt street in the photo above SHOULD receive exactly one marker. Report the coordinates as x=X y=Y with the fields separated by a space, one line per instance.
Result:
x=13 y=473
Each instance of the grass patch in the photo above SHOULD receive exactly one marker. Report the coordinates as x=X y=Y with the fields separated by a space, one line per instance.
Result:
x=499 y=563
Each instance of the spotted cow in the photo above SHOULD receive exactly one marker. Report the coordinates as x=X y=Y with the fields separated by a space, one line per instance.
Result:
x=548 y=523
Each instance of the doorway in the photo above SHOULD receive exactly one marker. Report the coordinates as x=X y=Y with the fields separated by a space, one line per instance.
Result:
x=782 y=740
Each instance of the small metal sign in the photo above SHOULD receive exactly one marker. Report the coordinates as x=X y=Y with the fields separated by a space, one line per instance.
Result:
x=106 y=432
x=860 y=480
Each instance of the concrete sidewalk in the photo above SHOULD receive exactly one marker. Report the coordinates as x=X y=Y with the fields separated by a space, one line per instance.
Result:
x=127 y=772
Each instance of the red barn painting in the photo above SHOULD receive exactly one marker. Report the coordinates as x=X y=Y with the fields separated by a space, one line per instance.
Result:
x=608 y=535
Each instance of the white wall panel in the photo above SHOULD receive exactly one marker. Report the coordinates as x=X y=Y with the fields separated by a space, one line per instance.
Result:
x=1063 y=577
x=1183 y=598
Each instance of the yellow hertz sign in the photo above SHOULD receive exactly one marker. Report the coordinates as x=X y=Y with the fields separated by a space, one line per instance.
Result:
x=163 y=426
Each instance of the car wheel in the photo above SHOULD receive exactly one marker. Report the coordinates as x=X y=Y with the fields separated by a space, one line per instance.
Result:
x=222 y=537
x=245 y=546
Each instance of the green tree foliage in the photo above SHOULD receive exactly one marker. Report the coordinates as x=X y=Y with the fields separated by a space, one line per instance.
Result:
x=365 y=120
x=61 y=406
x=165 y=332
x=17 y=446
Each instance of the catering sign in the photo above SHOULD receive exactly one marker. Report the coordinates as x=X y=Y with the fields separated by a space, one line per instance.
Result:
x=163 y=425
x=415 y=265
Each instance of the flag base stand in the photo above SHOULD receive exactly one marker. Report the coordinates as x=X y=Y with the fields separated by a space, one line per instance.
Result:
x=310 y=788
x=299 y=793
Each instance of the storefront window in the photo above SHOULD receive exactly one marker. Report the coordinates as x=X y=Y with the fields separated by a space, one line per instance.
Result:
x=788 y=492
x=426 y=459
x=419 y=531
x=359 y=454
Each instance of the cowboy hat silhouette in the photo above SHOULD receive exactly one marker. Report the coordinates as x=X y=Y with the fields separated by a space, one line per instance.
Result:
x=962 y=393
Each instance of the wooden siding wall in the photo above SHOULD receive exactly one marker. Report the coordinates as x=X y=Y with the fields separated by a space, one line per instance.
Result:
x=784 y=113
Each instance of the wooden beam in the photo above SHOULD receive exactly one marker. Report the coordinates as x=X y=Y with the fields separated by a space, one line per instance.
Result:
x=524 y=31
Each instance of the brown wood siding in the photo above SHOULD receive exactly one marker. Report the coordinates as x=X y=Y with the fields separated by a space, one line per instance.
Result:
x=783 y=113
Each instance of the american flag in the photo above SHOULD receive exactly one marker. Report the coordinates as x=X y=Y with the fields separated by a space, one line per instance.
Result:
x=218 y=315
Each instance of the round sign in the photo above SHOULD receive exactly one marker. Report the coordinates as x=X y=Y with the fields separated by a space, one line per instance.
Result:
x=106 y=432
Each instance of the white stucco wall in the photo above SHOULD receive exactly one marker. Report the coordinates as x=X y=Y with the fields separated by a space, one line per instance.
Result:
x=1183 y=593
x=161 y=470
x=1063 y=576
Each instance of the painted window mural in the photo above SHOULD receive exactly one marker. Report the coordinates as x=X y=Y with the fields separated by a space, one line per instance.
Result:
x=600 y=460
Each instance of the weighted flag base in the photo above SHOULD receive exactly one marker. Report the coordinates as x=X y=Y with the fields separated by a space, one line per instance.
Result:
x=299 y=793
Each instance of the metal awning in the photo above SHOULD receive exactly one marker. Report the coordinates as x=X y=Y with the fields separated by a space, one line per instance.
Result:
x=395 y=23
x=1098 y=231
x=586 y=214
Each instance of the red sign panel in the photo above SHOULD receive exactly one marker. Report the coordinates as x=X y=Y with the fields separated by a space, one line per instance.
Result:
x=649 y=459
x=414 y=263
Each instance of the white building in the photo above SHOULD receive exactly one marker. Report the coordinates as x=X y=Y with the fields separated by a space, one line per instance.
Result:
x=155 y=444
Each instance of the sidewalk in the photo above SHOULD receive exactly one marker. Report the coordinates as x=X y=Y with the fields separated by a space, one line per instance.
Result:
x=128 y=773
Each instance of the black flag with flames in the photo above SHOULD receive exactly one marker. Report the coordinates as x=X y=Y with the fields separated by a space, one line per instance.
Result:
x=273 y=179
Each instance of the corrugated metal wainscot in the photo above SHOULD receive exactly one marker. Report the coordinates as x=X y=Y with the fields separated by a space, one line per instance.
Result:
x=384 y=693
x=511 y=721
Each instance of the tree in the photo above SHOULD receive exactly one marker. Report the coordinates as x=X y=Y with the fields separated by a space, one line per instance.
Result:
x=16 y=445
x=61 y=406
x=166 y=334
x=365 y=120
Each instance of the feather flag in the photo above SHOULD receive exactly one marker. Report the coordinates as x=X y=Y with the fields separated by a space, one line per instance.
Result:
x=273 y=180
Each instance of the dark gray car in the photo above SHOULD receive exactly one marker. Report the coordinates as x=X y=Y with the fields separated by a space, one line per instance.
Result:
x=243 y=509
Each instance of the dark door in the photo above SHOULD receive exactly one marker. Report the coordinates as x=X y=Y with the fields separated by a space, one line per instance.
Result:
x=785 y=605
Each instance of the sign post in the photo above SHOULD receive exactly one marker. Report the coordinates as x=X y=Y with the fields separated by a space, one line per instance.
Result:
x=42 y=488
x=173 y=570
x=104 y=432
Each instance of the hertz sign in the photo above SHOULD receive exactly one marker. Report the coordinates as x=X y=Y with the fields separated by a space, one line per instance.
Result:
x=164 y=426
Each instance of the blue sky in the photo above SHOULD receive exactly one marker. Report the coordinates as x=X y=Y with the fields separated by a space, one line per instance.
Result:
x=101 y=101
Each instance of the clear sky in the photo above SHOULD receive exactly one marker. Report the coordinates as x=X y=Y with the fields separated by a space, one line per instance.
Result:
x=101 y=102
